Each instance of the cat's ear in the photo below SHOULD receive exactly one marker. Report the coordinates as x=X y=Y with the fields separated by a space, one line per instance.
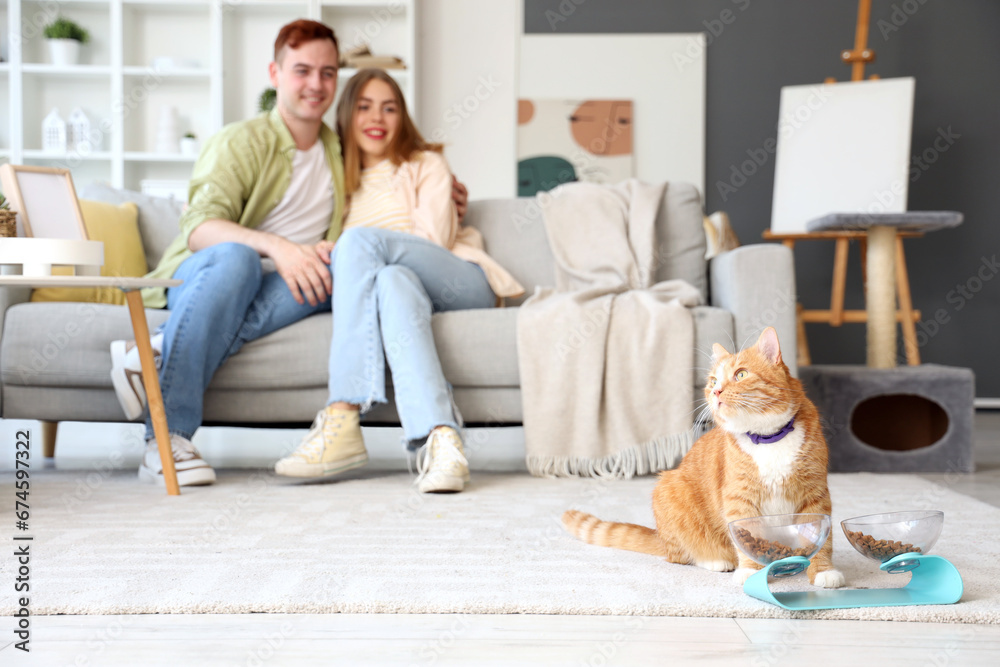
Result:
x=719 y=352
x=767 y=345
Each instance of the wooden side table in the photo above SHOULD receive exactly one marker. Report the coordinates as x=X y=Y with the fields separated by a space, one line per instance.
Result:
x=37 y=256
x=140 y=329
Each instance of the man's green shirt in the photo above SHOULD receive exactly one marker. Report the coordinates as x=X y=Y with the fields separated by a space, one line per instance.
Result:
x=242 y=173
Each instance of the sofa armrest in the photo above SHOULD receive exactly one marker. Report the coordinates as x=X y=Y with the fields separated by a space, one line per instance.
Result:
x=10 y=296
x=756 y=283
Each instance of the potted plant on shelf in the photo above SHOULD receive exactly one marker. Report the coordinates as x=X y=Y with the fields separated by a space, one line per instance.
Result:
x=267 y=100
x=64 y=38
x=8 y=219
x=189 y=144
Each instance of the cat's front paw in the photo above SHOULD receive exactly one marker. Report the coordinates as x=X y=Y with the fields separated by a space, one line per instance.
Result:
x=829 y=579
x=741 y=575
x=715 y=565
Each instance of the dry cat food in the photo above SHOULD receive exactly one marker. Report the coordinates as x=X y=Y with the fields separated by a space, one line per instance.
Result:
x=766 y=551
x=881 y=550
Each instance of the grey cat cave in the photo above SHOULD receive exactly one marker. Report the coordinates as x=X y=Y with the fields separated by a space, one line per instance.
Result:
x=880 y=417
x=905 y=419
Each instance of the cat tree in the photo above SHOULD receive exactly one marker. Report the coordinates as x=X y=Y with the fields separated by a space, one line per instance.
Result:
x=884 y=418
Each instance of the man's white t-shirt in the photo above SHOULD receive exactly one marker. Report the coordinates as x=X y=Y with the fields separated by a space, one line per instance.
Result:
x=303 y=214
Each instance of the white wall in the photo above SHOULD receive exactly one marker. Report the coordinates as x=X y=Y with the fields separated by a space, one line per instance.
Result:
x=475 y=63
x=468 y=89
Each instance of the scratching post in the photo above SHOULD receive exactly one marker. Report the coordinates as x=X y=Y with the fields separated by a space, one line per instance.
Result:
x=880 y=287
x=880 y=297
x=881 y=418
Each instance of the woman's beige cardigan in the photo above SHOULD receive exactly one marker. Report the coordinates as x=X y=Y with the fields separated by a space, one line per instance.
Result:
x=424 y=185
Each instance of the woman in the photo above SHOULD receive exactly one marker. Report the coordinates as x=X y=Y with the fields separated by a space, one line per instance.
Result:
x=402 y=256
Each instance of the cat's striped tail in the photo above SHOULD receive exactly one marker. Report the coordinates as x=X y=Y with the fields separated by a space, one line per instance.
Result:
x=628 y=536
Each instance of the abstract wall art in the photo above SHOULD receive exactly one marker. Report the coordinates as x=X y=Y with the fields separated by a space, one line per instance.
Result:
x=561 y=141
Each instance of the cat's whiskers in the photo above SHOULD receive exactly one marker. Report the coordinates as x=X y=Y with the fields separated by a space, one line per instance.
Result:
x=731 y=340
x=749 y=336
x=707 y=354
x=702 y=419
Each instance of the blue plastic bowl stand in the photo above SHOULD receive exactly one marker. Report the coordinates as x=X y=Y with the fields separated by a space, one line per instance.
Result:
x=934 y=581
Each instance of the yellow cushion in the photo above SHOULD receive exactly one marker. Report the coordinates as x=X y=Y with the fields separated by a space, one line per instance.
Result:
x=118 y=228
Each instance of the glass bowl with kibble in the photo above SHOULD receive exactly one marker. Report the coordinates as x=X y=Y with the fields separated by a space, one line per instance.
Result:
x=882 y=537
x=766 y=539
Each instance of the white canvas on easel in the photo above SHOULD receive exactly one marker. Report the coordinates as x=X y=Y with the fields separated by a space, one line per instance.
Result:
x=842 y=148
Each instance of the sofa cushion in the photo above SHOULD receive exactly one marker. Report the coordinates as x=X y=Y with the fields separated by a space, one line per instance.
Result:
x=514 y=233
x=116 y=227
x=158 y=216
x=681 y=238
x=64 y=344
x=477 y=348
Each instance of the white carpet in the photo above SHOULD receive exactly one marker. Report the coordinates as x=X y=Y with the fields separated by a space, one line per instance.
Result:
x=256 y=543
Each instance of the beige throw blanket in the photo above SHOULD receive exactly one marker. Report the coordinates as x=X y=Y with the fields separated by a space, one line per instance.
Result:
x=605 y=358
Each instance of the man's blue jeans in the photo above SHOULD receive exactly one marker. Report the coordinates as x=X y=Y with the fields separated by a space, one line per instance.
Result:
x=386 y=286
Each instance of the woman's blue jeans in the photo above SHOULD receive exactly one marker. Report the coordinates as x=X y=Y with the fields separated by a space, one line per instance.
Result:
x=386 y=286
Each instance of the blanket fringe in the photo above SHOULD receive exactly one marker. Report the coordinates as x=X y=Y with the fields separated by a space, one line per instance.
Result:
x=661 y=453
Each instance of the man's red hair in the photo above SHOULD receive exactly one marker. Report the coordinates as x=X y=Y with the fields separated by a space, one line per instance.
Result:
x=297 y=33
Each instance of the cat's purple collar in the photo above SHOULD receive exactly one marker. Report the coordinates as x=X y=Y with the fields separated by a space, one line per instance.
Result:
x=758 y=439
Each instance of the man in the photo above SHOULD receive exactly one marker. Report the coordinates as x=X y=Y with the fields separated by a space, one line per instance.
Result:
x=266 y=203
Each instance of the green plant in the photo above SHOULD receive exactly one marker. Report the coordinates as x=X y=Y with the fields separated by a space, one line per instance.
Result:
x=4 y=204
x=63 y=28
x=267 y=100
x=190 y=135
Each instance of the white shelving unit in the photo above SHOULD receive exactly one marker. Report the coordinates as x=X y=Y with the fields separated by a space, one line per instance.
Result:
x=220 y=50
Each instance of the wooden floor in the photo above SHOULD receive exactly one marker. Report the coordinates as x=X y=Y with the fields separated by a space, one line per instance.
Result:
x=370 y=640
x=359 y=639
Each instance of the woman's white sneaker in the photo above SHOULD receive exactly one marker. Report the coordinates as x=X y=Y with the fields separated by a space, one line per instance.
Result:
x=191 y=469
x=441 y=463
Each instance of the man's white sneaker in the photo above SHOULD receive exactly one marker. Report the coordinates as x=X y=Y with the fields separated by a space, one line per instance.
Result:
x=126 y=374
x=191 y=469
x=333 y=445
x=441 y=463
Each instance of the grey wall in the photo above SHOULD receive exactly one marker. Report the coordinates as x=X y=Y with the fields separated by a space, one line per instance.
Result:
x=953 y=51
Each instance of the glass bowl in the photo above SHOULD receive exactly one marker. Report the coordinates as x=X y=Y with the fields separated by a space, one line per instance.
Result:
x=882 y=537
x=765 y=539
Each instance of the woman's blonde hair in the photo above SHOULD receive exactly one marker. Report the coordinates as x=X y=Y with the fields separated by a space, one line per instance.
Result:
x=407 y=141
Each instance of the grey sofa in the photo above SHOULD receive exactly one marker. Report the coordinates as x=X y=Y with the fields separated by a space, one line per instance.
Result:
x=54 y=357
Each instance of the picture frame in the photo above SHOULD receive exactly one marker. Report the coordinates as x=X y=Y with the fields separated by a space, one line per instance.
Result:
x=45 y=201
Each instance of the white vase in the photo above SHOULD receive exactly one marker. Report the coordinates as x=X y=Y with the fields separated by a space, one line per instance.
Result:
x=64 y=52
x=167 y=136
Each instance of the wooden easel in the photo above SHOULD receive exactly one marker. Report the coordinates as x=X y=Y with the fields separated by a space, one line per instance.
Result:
x=836 y=315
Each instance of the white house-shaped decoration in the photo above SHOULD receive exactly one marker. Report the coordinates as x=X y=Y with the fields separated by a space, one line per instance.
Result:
x=54 y=133
x=78 y=131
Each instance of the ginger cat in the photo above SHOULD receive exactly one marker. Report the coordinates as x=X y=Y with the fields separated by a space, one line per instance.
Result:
x=727 y=476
